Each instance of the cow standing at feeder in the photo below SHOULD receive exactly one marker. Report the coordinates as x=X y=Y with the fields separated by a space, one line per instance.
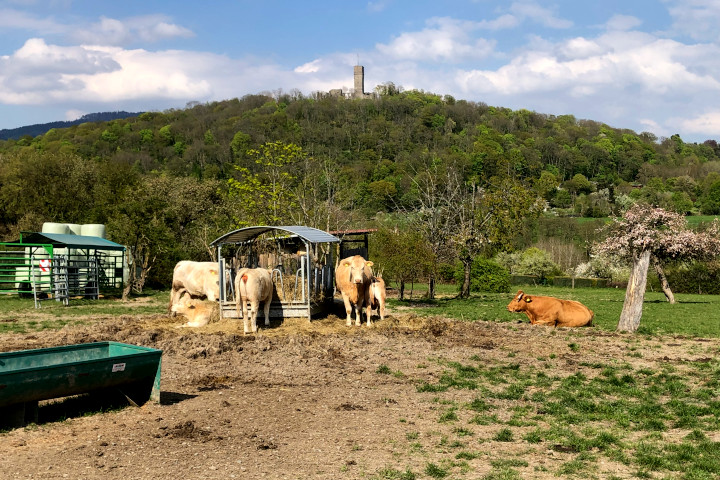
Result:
x=253 y=285
x=352 y=278
x=197 y=279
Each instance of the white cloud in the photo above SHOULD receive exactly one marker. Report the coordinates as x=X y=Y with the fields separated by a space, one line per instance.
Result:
x=310 y=67
x=149 y=28
x=39 y=73
x=623 y=22
x=501 y=23
x=15 y=19
x=613 y=61
x=539 y=14
x=377 y=6
x=445 y=40
x=71 y=115
x=696 y=18
x=705 y=124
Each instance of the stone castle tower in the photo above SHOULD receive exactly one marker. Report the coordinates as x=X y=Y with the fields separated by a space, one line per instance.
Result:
x=359 y=71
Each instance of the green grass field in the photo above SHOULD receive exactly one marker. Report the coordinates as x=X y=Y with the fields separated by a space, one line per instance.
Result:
x=692 y=315
x=19 y=315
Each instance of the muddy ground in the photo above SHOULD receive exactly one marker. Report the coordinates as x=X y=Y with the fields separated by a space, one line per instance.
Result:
x=306 y=400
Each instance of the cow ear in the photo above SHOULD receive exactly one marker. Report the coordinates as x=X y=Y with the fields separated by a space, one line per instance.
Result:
x=369 y=264
x=214 y=272
x=347 y=264
x=528 y=299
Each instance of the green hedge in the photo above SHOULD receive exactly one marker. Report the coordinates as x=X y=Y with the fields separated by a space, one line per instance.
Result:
x=485 y=276
x=560 y=281
x=699 y=277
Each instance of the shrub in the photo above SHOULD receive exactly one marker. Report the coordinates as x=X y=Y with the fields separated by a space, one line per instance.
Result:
x=532 y=261
x=485 y=276
x=695 y=277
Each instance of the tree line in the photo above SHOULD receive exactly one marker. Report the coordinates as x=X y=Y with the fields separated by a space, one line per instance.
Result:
x=458 y=179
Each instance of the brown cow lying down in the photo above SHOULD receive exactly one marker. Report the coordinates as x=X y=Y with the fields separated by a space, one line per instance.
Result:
x=253 y=285
x=376 y=297
x=551 y=311
x=199 y=279
x=352 y=279
x=198 y=312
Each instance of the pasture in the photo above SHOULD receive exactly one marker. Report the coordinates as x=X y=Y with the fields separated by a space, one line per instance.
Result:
x=443 y=389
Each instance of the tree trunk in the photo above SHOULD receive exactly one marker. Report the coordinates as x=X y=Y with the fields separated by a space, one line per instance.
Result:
x=663 y=280
x=431 y=287
x=402 y=289
x=465 y=290
x=635 y=293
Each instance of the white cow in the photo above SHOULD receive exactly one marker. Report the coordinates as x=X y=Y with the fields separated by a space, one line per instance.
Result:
x=198 y=312
x=253 y=285
x=198 y=279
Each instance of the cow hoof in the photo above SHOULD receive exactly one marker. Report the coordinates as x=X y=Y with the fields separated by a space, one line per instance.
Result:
x=348 y=323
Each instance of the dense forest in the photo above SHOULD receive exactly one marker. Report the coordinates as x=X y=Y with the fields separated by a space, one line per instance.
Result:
x=459 y=179
x=42 y=128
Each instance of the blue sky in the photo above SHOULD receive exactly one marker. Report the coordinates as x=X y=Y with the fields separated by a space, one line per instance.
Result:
x=647 y=65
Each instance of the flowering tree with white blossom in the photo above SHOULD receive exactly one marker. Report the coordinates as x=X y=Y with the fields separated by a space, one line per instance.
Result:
x=644 y=233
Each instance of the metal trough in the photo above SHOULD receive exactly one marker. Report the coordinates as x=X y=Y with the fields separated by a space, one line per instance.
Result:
x=28 y=376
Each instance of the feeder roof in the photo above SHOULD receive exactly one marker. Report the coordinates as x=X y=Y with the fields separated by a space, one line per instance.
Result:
x=63 y=240
x=248 y=234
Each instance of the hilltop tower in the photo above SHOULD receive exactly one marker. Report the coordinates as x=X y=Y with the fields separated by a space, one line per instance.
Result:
x=359 y=81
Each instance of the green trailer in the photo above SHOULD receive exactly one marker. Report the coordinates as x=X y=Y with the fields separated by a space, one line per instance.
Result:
x=28 y=376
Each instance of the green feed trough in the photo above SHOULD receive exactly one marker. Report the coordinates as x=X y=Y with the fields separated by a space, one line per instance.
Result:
x=28 y=376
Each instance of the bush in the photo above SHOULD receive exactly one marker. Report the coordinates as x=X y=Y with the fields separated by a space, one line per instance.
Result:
x=532 y=261
x=485 y=276
x=446 y=273
x=696 y=277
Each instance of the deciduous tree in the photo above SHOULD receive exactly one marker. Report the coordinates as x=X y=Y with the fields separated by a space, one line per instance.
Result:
x=646 y=232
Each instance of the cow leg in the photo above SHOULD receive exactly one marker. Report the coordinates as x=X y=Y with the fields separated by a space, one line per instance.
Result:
x=348 y=310
x=247 y=325
x=254 y=307
x=174 y=297
x=369 y=314
x=358 y=313
x=267 y=312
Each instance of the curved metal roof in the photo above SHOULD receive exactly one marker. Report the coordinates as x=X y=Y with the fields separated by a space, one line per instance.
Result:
x=247 y=234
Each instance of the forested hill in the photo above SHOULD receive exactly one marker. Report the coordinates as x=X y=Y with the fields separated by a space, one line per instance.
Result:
x=176 y=180
x=42 y=128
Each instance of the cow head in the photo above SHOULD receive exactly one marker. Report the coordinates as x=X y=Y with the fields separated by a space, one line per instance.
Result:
x=518 y=303
x=358 y=269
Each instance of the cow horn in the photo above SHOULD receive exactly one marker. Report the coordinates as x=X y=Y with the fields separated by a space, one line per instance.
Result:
x=520 y=295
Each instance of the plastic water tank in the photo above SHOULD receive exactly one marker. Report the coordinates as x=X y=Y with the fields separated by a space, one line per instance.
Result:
x=50 y=227
x=75 y=229
x=93 y=230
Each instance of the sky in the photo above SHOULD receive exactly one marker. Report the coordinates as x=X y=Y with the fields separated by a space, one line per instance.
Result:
x=645 y=65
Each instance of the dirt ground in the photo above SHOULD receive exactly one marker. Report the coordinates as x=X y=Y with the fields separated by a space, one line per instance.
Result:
x=305 y=400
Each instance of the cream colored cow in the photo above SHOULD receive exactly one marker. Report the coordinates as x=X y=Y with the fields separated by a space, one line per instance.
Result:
x=253 y=285
x=352 y=279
